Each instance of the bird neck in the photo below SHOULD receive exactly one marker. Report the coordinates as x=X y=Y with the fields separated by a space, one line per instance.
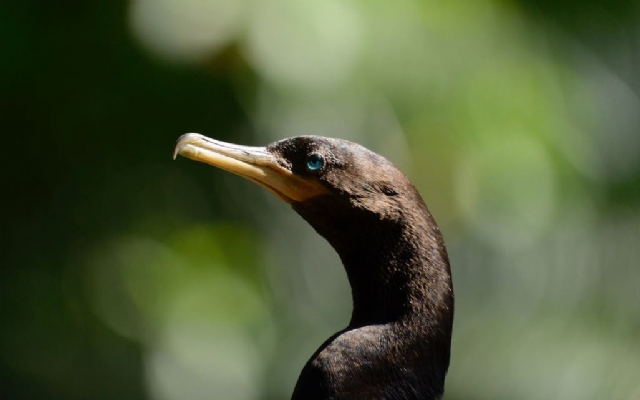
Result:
x=398 y=272
x=398 y=267
x=397 y=344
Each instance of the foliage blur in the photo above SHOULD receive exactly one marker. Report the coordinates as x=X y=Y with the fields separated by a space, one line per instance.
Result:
x=126 y=275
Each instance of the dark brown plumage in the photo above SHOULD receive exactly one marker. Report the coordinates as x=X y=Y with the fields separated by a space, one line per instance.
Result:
x=397 y=343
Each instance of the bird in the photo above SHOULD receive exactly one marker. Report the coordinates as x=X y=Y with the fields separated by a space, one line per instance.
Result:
x=398 y=341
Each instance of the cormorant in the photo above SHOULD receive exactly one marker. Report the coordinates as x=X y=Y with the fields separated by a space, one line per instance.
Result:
x=397 y=344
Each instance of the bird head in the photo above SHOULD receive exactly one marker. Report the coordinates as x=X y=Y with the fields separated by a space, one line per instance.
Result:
x=314 y=174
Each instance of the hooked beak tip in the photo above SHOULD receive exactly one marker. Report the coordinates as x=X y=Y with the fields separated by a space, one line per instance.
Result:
x=184 y=140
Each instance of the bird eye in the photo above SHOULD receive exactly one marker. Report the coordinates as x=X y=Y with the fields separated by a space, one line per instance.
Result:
x=315 y=162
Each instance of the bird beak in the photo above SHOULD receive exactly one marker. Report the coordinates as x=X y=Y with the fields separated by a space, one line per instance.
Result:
x=253 y=163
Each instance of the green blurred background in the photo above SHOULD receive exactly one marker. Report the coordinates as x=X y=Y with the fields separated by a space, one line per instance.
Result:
x=126 y=275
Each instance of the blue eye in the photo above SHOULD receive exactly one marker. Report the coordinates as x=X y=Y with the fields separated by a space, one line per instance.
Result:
x=315 y=162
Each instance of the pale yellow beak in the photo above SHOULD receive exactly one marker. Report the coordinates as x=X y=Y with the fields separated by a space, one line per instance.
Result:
x=253 y=163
